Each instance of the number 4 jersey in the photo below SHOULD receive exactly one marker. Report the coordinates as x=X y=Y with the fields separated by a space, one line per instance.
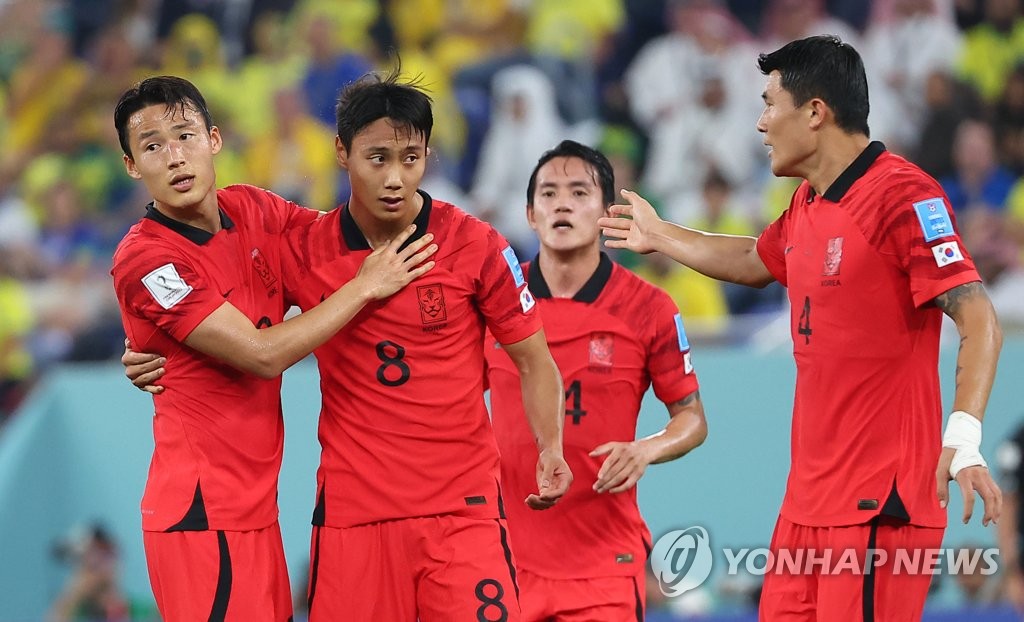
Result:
x=614 y=339
x=404 y=428
x=863 y=264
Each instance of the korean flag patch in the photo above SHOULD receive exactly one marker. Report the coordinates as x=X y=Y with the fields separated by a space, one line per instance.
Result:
x=934 y=218
x=166 y=286
x=947 y=253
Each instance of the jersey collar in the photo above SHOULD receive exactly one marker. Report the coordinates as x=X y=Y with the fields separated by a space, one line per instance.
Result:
x=590 y=290
x=356 y=241
x=192 y=234
x=855 y=171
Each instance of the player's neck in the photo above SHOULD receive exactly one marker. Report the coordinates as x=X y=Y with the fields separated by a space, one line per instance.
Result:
x=204 y=215
x=836 y=152
x=379 y=232
x=567 y=272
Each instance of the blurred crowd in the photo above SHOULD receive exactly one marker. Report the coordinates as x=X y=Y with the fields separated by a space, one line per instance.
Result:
x=669 y=89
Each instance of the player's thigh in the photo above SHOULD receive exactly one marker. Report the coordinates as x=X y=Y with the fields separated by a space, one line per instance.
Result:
x=468 y=572
x=789 y=596
x=219 y=575
x=897 y=591
x=609 y=599
x=878 y=592
x=360 y=574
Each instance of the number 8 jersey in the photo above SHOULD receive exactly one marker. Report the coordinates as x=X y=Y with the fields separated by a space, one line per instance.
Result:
x=404 y=428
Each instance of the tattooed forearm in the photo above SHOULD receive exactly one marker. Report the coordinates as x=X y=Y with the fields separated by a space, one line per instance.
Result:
x=951 y=301
x=689 y=399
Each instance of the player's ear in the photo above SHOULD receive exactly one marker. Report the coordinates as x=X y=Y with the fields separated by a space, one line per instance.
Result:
x=129 y=165
x=340 y=153
x=530 y=216
x=216 y=142
x=818 y=112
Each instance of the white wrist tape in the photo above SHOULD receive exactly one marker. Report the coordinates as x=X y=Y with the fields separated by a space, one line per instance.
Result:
x=963 y=433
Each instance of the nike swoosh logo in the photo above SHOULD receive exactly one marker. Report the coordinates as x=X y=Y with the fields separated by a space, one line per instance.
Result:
x=788 y=248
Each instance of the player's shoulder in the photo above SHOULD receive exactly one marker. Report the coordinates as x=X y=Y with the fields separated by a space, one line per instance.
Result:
x=143 y=239
x=636 y=293
x=899 y=178
x=453 y=224
x=246 y=201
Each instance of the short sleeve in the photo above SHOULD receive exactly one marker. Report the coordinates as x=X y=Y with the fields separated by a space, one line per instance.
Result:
x=162 y=286
x=924 y=240
x=669 y=360
x=771 y=246
x=505 y=301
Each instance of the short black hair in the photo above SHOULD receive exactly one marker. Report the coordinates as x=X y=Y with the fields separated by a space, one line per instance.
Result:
x=377 y=96
x=825 y=67
x=171 y=91
x=589 y=155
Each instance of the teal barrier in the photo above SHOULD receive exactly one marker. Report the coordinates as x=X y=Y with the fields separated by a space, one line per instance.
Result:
x=79 y=451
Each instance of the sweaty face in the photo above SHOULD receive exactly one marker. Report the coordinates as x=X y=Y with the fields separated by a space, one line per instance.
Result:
x=786 y=128
x=172 y=153
x=566 y=205
x=385 y=165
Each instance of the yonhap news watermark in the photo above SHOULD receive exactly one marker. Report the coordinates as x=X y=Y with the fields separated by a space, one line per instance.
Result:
x=683 y=559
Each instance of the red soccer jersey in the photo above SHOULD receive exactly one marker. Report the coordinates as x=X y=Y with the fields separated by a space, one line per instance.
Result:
x=404 y=428
x=862 y=265
x=218 y=431
x=611 y=341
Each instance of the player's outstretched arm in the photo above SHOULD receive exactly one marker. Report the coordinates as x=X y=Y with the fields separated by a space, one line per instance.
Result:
x=980 y=341
x=638 y=228
x=544 y=403
x=228 y=335
x=626 y=462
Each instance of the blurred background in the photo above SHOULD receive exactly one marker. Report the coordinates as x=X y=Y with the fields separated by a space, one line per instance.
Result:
x=670 y=91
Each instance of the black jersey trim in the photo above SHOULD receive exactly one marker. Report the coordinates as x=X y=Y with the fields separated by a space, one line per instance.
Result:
x=190 y=233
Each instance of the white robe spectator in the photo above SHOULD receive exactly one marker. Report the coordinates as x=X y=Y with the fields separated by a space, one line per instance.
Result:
x=901 y=50
x=524 y=124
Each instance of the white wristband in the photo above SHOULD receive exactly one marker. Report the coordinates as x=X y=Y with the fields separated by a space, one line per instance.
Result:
x=963 y=433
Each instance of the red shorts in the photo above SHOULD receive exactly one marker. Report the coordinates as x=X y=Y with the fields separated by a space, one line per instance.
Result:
x=219 y=575
x=609 y=599
x=843 y=582
x=434 y=569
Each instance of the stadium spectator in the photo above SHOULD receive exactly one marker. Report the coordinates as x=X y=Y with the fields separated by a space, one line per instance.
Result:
x=859 y=234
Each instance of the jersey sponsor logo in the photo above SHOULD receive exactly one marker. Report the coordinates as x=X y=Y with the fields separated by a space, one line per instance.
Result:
x=166 y=286
x=934 y=218
x=526 y=300
x=947 y=253
x=259 y=262
x=687 y=363
x=513 y=265
x=432 y=306
x=833 y=257
x=602 y=349
x=684 y=343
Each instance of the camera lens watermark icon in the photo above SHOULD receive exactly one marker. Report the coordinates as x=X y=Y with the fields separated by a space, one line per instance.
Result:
x=681 y=560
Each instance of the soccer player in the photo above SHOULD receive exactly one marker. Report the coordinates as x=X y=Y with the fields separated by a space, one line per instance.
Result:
x=196 y=279
x=409 y=521
x=612 y=336
x=871 y=257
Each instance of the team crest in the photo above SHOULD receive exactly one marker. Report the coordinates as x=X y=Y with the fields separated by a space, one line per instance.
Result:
x=833 y=257
x=259 y=262
x=602 y=349
x=432 y=307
